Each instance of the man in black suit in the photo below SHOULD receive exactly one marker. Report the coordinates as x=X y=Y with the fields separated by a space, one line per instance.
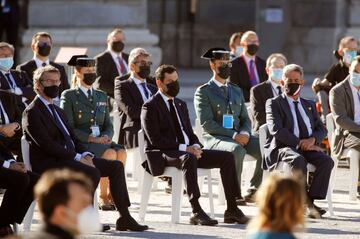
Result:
x=111 y=63
x=41 y=46
x=260 y=93
x=16 y=82
x=19 y=184
x=171 y=142
x=248 y=70
x=53 y=144
x=131 y=91
x=295 y=133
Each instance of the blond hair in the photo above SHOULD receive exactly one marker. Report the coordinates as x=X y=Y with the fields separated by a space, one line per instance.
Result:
x=275 y=55
x=345 y=40
x=234 y=37
x=281 y=204
x=247 y=34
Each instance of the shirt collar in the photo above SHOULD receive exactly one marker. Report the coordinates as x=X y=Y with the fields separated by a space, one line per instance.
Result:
x=273 y=84
x=39 y=62
x=291 y=100
x=248 y=58
x=115 y=54
x=5 y=72
x=137 y=81
x=218 y=83
x=84 y=89
x=165 y=98
x=44 y=100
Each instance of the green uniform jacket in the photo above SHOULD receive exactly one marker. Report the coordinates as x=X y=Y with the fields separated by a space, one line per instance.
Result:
x=210 y=106
x=81 y=115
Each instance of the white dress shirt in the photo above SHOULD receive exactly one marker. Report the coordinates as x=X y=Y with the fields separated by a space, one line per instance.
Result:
x=303 y=115
x=40 y=62
x=141 y=89
x=115 y=56
x=13 y=86
x=247 y=61
x=355 y=93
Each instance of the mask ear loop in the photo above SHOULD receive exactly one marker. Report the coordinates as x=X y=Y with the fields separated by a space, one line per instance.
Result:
x=298 y=90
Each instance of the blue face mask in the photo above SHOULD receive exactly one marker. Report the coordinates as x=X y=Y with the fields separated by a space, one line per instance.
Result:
x=349 y=56
x=276 y=74
x=6 y=63
x=355 y=79
x=239 y=50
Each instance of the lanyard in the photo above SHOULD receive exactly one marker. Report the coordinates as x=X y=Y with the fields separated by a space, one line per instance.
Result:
x=219 y=93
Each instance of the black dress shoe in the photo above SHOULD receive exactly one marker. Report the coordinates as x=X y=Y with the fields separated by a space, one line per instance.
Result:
x=5 y=231
x=129 y=223
x=240 y=201
x=250 y=197
x=320 y=210
x=107 y=207
x=234 y=216
x=203 y=219
x=105 y=227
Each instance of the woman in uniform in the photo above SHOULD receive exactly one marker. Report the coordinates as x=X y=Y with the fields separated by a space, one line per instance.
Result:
x=88 y=114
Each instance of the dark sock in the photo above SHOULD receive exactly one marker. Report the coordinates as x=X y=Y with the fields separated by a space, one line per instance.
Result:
x=195 y=206
x=231 y=205
x=124 y=212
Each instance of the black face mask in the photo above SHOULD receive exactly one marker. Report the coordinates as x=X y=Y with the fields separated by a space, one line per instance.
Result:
x=291 y=88
x=51 y=91
x=144 y=72
x=44 y=49
x=117 y=46
x=224 y=71
x=173 y=88
x=89 y=78
x=252 y=49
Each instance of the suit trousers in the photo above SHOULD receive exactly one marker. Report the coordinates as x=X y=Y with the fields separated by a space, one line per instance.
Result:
x=298 y=160
x=18 y=196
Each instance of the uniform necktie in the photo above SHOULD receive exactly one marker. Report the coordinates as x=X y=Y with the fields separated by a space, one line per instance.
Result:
x=68 y=141
x=89 y=94
x=303 y=132
x=9 y=81
x=143 y=84
x=279 y=90
x=253 y=80
x=122 y=65
x=179 y=134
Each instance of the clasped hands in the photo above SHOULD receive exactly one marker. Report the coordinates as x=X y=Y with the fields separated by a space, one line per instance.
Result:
x=309 y=145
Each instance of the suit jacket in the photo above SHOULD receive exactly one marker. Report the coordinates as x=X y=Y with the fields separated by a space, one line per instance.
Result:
x=240 y=74
x=128 y=101
x=23 y=82
x=5 y=154
x=45 y=139
x=281 y=126
x=258 y=97
x=342 y=109
x=14 y=10
x=210 y=106
x=159 y=130
x=10 y=106
x=30 y=66
x=107 y=72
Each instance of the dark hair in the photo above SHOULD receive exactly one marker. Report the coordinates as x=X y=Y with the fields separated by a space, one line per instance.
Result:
x=161 y=70
x=53 y=189
x=40 y=34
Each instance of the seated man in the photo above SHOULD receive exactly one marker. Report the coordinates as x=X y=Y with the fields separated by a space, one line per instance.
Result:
x=65 y=203
x=19 y=184
x=296 y=131
x=260 y=93
x=345 y=108
x=53 y=144
x=221 y=110
x=170 y=141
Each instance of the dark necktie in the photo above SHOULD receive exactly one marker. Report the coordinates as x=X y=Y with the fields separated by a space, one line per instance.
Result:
x=145 y=90
x=2 y=115
x=43 y=64
x=68 y=141
x=253 y=80
x=303 y=132
x=179 y=134
x=224 y=90
x=9 y=81
x=279 y=90
x=89 y=95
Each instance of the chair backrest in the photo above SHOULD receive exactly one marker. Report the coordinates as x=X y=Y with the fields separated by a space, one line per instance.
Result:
x=263 y=134
x=141 y=141
x=25 y=151
x=330 y=125
x=198 y=130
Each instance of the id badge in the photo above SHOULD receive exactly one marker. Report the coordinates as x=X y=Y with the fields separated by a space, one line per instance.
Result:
x=228 y=121
x=95 y=131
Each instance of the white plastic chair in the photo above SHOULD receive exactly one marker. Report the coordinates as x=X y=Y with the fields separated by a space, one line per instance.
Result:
x=133 y=161
x=177 y=186
x=347 y=153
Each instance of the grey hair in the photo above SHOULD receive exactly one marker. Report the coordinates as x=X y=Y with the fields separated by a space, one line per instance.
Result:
x=292 y=67
x=38 y=74
x=7 y=45
x=135 y=53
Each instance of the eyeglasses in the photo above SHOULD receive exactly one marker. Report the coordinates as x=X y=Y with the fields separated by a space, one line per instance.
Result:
x=143 y=63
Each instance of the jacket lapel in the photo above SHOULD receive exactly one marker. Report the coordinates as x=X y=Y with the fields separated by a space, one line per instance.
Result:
x=112 y=64
x=45 y=110
x=82 y=97
x=165 y=110
x=269 y=91
x=287 y=110
x=307 y=109
x=136 y=91
x=349 y=94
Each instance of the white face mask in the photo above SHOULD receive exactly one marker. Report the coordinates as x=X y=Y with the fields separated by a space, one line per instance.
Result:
x=88 y=220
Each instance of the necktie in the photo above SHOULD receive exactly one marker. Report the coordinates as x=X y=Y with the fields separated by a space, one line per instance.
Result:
x=358 y=94
x=68 y=141
x=303 y=132
x=9 y=81
x=179 y=134
x=122 y=66
x=143 y=84
x=279 y=90
x=253 y=80
x=224 y=90
x=89 y=94
x=43 y=64
x=2 y=115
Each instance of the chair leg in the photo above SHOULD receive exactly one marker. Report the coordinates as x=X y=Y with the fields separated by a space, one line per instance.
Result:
x=145 y=194
x=354 y=177
x=221 y=196
x=29 y=217
x=211 y=199
x=201 y=180
x=176 y=197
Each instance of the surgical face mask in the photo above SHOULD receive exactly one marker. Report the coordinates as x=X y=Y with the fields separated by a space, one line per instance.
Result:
x=292 y=89
x=173 y=88
x=276 y=74
x=44 y=49
x=88 y=220
x=117 y=46
x=252 y=49
x=349 y=56
x=355 y=79
x=6 y=63
x=51 y=91
x=89 y=78
x=239 y=50
x=224 y=71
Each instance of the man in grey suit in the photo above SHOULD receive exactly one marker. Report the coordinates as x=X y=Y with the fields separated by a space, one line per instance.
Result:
x=345 y=108
x=295 y=131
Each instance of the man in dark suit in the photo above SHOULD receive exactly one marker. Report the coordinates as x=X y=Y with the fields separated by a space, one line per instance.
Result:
x=248 y=70
x=16 y=82
x=41 y=46
x=260 y=93
x=53 y=144
x=295 y=133
x=19 y=184
x=345 y=108
x=131 y=91
x=171 y=142
x=111 y=63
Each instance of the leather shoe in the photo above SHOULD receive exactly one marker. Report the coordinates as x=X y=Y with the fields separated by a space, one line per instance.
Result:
x=240 y=201
x=129 y=223
x=320 y=210
x=234 y=216
x=202 y=218
x=105 y=227
x=250 y=197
